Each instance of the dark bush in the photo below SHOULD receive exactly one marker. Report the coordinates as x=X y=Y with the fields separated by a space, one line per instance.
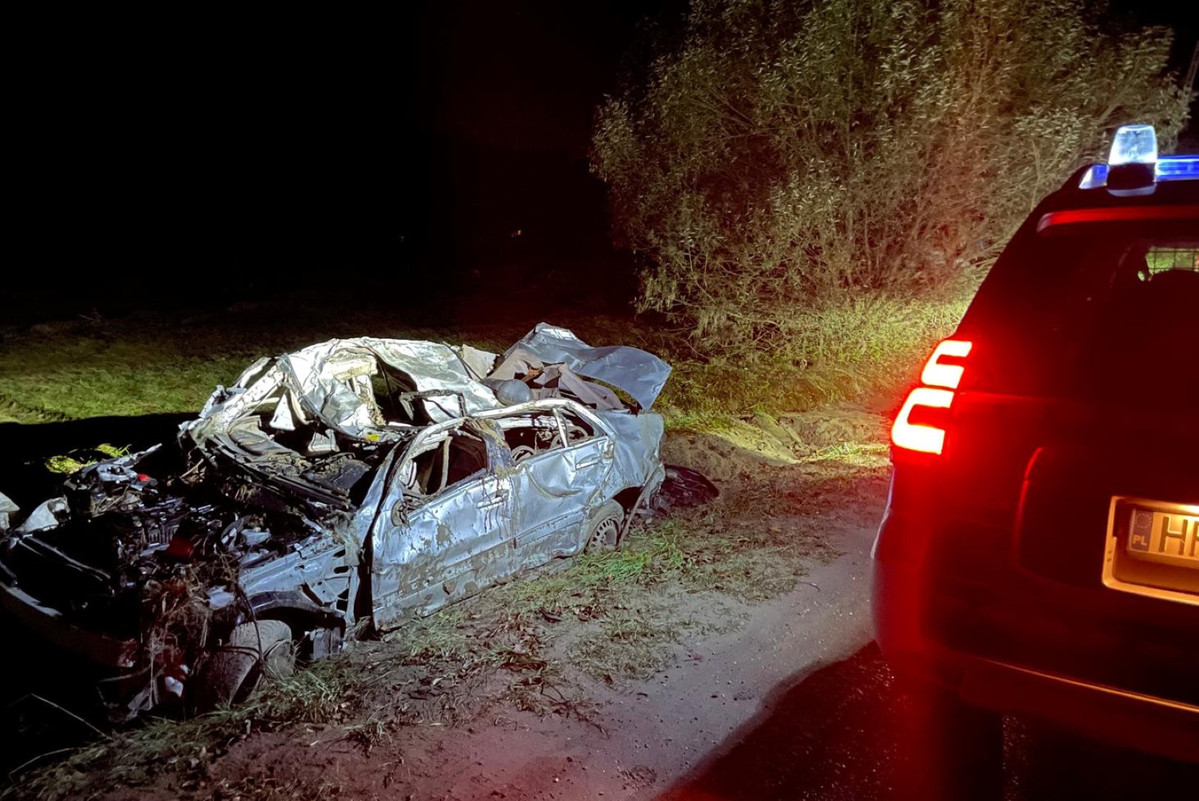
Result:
x=781 y=153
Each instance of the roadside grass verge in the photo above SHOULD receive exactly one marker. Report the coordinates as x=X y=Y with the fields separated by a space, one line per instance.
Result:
x=632 y=643
x=862 y=349
x=317 y=695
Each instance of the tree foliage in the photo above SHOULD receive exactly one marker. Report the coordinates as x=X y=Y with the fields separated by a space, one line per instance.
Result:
x=782 y=152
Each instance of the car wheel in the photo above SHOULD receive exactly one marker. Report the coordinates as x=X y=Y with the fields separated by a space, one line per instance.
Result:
x=235 y=670
x=603 y=530
x=956 y=749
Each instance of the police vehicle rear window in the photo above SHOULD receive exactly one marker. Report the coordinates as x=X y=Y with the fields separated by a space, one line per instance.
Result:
x=1105 y=310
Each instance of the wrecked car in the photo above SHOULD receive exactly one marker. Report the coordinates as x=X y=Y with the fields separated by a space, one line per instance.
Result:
x=338 y=489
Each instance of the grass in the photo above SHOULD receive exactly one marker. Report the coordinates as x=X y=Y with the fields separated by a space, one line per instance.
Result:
x=630 y=644
x=851 y=452
x=863 y=349
x=318 y=695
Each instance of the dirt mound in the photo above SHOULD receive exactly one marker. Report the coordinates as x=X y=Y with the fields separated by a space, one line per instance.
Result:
x=741 y=451
x=816 y=430
x=761 y=443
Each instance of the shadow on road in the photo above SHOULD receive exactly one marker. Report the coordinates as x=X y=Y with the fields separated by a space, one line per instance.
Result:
x=848 y=732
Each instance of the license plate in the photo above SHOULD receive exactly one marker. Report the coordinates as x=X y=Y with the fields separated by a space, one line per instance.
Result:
x=1170 y=537
x=1153 y=549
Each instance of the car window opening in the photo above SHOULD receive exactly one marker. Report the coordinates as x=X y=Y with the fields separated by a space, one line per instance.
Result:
x=574 y=429
x=456 y=458
x=531 y=435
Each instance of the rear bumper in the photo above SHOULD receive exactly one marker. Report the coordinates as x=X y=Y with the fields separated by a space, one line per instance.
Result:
x=909 y=638
x=1130 y=719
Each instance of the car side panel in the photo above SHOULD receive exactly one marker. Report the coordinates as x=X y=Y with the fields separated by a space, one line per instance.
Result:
x=444 y=550
x=554 y=493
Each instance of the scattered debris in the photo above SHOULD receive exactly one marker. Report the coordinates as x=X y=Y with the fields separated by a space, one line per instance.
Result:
x=684 y=488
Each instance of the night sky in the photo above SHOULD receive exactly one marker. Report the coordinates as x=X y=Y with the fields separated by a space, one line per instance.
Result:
x=216 y=154
x=185 y=151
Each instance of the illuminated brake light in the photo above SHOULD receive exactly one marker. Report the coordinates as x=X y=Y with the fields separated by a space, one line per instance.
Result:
x=916 y=437
x=946 y=375
x=940 y=381
x=1118 y=214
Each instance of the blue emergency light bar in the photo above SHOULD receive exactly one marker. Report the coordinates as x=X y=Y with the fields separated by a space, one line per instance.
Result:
x=1167 y=168
x=1134 y=165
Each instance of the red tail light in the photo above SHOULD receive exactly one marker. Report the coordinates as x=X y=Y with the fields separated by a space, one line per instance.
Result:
x=940 y=378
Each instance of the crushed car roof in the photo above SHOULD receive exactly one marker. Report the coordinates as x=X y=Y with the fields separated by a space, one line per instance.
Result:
x=330 y=382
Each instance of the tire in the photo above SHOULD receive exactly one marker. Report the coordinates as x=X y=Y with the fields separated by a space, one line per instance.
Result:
x=235 y=670
x=603 y=530
x=956 y=749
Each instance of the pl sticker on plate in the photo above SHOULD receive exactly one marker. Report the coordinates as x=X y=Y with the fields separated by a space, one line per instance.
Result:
x=1170 y=537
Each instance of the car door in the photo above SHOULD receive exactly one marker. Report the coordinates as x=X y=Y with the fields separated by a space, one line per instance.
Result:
x=555 y=487
x=444 y=522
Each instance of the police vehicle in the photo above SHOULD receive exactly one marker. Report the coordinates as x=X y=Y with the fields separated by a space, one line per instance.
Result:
x=1039 y=553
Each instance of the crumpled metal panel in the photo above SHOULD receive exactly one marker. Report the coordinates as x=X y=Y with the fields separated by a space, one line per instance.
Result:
x=330 y=381
x=637 y=372
x=44 y=517
x=447 y=547
x=319 y=373
x=7 y=507
x=589 y=393
x=428 y=552
x=478 y=362
x=322 y=568
x=637 y=441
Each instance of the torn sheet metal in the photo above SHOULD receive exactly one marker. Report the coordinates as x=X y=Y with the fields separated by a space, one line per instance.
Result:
x=533 y=477
x=7 y=508
x=632 y=370
x=637 y=440
x=45 y=516
x=336 y=382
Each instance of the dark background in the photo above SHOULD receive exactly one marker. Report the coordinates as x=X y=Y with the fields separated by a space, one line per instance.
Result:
x=204 y=157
